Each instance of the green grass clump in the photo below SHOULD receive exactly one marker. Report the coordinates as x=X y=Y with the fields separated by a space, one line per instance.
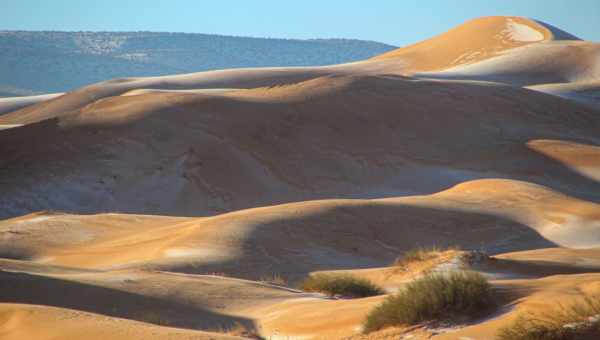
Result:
x=441 y=297
x=580 y=321
x=340 y=284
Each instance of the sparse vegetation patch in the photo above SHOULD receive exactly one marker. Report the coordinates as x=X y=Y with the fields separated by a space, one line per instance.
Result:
x=421 y=254
x=340 y=284
x=579 y=321
x=436 y=297
x=274 y=279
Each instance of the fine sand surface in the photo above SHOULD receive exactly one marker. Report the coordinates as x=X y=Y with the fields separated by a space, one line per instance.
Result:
x=191 y=206
x=15 y=103
x=345 y=136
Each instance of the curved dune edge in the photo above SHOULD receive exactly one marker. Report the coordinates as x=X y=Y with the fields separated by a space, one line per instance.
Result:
x=309 y=319
x=587 y=93
x=473 y=41
x=9 y=104
x=487 y=48
x=463 y=154
x=498 y=215
x=184 y=154
x=25 y=321
x=276 y=312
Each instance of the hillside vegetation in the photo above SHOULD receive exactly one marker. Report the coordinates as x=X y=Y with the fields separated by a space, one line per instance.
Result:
x=62 y=61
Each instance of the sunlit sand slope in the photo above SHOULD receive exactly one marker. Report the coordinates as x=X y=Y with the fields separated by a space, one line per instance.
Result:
x=475 y=40
x=367 y=136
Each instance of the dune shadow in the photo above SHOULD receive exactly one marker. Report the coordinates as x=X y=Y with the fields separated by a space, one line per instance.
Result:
x=35 y=289
x=509 y=268
x=364 y=236
x=87 y=163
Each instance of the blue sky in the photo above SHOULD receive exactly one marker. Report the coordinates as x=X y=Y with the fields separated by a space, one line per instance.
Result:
x=398 y=22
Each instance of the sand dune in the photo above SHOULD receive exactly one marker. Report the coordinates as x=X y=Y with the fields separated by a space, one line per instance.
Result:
x=584 y=92
x=474 y=41
x=535 y=64
x=513 y=50
x=27 y=321
x=15 y=103
x=494 y=215
x=183 y=195
x=200 y=154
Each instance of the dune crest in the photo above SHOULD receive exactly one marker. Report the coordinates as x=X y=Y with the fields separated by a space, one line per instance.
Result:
x=474 y=41
x=191 y=206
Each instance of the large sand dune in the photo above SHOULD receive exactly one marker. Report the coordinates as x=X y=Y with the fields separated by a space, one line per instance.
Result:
x=165 y=207
x=474 y=41
x=344 y=136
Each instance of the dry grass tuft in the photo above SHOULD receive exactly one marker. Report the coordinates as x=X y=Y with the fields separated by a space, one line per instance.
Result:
x=340 y=284
x=435 y=297
x=238 y=329
x=579 y=321
x=274 y=279
x=421 y=254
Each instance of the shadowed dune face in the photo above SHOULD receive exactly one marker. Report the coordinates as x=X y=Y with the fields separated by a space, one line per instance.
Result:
x=197 y=154
x=286 y=171
x=166 y=310
x=30 y=321
x=298 y=238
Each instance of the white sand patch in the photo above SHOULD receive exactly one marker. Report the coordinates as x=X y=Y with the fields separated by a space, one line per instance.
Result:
x=519 y=32
x=34 y=219
x=203 y=252
x=121 y=278
x=289 y=337
x=196 y=91
x=591 y=172
x=9 y=126
x=15 y=103
x=45 y=259
x=576 y=232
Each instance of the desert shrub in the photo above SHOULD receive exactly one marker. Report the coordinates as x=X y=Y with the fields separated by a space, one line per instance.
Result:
x=421 y=254
x=579 y=321
x=442 y=297
x=340 y=284
x=241 y=330
x=274 y=279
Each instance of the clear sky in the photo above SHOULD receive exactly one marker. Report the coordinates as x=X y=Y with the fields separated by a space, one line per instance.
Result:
x=397 y=22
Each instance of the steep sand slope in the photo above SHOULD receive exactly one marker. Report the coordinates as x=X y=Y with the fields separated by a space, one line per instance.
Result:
x=511 y=50
x=367 y=136
x=474 y=41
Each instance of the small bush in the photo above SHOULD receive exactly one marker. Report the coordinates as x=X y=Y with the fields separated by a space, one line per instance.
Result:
x=274 y=279
x=418 y=254
x=441 y=297
x=421 y=254
x=340 y=284
x=580 y=321
x=239 y=329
